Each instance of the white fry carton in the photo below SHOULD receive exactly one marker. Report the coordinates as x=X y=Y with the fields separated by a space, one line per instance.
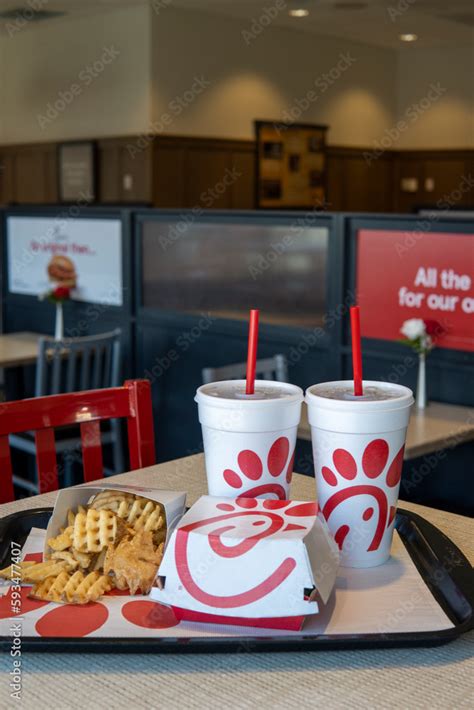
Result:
x=248 y=558
x=173 y=503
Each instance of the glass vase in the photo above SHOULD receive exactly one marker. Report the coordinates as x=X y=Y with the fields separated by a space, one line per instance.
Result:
x=421 y=401
x=59 y=325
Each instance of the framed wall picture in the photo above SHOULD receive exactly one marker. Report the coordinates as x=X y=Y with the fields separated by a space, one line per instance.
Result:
x=291 y=165
x=77 y=172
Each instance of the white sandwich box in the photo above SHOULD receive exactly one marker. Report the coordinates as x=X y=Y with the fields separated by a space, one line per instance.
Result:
x=248 y=561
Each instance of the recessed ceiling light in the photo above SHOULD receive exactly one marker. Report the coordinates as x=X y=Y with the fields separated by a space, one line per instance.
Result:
x=298 y=12
x=408 y=37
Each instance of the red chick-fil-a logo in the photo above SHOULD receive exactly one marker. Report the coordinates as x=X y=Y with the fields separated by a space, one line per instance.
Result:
x=374 y=461
x=273 y=513
x=251 y=471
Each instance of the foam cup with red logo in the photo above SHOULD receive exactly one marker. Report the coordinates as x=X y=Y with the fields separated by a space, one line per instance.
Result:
x=249 y=439
x=248 y=562
x=358 y=445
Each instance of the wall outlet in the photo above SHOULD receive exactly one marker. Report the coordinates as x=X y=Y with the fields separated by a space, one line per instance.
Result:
x=409 y=184
x=127 y=181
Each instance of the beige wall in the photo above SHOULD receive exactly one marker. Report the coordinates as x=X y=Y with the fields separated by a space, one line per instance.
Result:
x=42 y=64
x=443 y=121
x=191 y=73
x=2 y=87
x=266 y=79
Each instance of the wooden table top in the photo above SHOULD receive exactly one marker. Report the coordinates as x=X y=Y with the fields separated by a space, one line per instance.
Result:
x=188 y=474
x=18 y=349
x=439 y=426
x=439 y=677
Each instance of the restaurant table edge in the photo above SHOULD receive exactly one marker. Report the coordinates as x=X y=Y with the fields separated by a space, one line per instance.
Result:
x=188 y=474
x=459 y=429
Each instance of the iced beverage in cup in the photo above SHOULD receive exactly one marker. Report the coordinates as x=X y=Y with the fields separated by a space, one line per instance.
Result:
x=249 y=440
x=358 y=445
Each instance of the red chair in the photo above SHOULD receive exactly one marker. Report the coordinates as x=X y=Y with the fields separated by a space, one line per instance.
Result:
x=43 y=414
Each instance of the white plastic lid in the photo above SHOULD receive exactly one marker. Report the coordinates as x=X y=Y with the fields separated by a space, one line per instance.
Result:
x=287 y=394
x=358 y=415
x=249 y=414
x=400 y=397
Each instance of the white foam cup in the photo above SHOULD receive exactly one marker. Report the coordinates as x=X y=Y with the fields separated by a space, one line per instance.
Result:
x=249 y=440
x=358 y=445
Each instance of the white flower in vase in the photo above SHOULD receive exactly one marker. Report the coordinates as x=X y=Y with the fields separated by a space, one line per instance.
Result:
x=420 y=336
x=413 y=328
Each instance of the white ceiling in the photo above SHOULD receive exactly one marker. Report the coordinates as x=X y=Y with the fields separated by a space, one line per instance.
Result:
x=437 y=23
x=377 y=22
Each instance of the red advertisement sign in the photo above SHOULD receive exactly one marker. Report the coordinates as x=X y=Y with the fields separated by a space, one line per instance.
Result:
x=402 y=275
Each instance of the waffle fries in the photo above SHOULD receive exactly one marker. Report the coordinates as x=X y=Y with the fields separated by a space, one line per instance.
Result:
x=36 y=571
x=95 y=530
x=117 y=540
x=138 y=512
x=67 y=556
x=120 y=503
x=62 y=541
x=85 y=560
x=73 y=589
x=15 y=572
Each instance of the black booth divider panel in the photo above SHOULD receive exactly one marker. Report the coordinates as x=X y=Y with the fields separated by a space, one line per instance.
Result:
x=171 y=348
x=174 y=368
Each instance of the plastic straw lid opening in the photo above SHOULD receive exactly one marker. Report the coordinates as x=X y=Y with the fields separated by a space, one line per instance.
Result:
x=324 y=394
x=232 y=393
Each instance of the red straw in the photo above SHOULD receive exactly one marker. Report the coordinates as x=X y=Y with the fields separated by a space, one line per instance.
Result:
x=252 y=352
x=356 y=350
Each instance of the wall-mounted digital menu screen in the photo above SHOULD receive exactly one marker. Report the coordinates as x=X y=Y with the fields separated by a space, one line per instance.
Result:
x=228 y=267
x=43 y=251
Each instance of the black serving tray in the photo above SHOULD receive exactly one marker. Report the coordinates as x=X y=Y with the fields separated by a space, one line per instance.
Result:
x=441 y=564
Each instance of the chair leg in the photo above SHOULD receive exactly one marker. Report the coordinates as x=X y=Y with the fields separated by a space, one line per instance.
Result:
x=32 y=469
x=117 y=448
x=70 y=457
x=68 y=468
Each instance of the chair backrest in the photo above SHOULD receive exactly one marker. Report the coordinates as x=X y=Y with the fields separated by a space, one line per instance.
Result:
x=272 y=368
x=74 y=364
x=86 y=409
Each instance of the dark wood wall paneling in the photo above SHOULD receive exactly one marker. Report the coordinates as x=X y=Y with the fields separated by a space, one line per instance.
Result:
x=178 y=432
x=201 y=172
x=180 y=171
x=359 y=181
x=452 y=172
x=28 y=174
x=125 y=169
